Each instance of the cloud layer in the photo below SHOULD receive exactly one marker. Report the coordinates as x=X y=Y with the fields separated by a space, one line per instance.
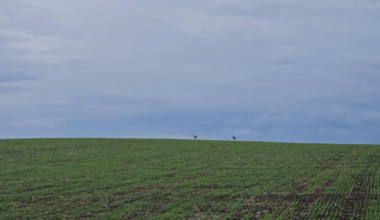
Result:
x=262 y=70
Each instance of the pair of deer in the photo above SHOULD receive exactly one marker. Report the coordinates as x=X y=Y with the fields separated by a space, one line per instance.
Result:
x=233 y=137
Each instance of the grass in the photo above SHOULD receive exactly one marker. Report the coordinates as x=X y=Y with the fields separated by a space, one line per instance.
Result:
x=186 y=179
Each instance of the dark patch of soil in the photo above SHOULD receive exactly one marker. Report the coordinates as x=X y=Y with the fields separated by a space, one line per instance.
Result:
x=308 y=200
x=163 y=176
x=277 y=198
x=139 y=189
x=37 y=188
x=355 y=200
x=195 y=176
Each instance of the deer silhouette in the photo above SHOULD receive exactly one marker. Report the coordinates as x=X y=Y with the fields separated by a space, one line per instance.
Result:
x=234 y=137
x=195 y=137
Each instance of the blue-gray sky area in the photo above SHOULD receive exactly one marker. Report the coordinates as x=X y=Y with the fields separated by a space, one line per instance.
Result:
x=273 y=70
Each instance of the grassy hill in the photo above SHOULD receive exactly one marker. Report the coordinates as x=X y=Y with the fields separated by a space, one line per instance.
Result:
x=186 y=179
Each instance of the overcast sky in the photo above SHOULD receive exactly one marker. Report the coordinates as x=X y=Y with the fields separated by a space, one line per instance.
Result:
x=273 y=70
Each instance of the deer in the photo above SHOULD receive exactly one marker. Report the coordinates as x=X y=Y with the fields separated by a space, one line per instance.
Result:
x=234 y=137
x=195 y=137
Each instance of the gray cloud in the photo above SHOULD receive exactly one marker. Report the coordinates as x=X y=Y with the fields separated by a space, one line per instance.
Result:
x=273 y=70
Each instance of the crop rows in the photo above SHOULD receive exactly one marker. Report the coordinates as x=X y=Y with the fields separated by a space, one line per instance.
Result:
x=183 y=179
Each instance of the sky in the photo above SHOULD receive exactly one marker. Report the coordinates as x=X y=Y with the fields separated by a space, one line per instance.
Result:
x=273 y=70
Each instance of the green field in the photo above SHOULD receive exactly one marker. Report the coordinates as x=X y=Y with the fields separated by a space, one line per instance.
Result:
x=186 y=179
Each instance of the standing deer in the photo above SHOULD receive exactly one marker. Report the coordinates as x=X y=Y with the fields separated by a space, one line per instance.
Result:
x=234 y=137
x=195 y=137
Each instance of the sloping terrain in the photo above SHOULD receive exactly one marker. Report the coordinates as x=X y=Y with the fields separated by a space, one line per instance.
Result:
x=186 y=179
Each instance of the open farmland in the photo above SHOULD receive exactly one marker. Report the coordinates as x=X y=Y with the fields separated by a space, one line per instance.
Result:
x=186 y=179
